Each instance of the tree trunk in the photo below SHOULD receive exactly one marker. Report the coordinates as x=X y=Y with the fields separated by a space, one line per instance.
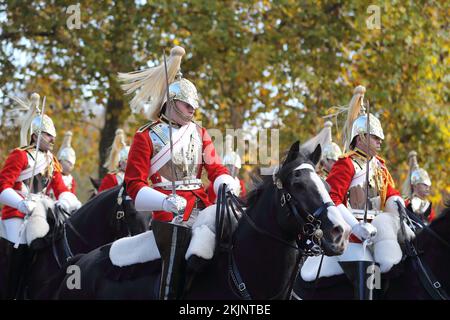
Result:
x=115 y=116
x=108 y=132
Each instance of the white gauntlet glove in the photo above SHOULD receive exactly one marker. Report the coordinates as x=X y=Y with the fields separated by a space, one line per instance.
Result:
x=63 y=205
x=11 y=198
x=229 y=181
x=364 y=231
x=175 y=204
x=68 y=201
x=26 y=206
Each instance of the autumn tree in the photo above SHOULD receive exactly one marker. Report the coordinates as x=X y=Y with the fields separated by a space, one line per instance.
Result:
x=278 y=64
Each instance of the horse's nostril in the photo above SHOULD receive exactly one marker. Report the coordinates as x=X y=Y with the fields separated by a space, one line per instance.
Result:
x=336 y=233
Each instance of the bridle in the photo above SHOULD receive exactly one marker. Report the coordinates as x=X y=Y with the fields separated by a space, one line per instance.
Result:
x=308 y=242
x=118 y=221
x=426 y=276
x=310 y=237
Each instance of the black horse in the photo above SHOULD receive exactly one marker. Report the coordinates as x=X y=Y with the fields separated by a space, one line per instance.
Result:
x=264 y=253
x=404 y=281
x=100 y=221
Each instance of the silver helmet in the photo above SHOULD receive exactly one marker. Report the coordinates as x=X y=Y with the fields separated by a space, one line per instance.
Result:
x=415 y=176
x=183 y=90
x=360 y=126
x=66 y=152
x=47 y=125
x=331 y=151
x=420 y=175
x=356 y=122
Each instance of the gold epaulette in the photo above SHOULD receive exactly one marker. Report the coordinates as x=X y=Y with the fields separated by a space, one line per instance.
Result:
x=146 y=126
x=25 y=148
x=381 y=159
x=347 y=154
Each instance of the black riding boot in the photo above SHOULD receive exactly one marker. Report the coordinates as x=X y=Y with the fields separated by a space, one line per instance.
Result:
x=360 y=273
x=172 y=241
x=16 y=269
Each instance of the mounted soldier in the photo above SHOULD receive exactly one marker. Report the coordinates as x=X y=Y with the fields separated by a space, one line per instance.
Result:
x=116 y=162
x=171 y=151
x=67 y=158
x=416 y=190
x=232 y=161
x=370 y=209
x=29 y=171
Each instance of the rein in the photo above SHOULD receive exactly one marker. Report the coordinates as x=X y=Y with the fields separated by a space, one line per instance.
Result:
x=413 y=219
x=428 y=280
x=62 y=221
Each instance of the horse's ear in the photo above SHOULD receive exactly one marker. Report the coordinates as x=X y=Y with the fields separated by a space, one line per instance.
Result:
x=316 y=155
x=293 y=152
x=95 y=182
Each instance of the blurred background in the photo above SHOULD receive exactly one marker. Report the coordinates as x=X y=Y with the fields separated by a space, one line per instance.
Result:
x=256 y=64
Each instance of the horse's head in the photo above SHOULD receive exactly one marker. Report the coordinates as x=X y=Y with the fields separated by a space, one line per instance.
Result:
x=309 y=212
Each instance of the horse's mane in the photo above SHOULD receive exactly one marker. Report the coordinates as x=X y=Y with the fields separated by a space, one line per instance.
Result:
x=108 y=197
x=267 y=180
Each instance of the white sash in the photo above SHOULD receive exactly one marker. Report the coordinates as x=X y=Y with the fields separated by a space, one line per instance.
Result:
x=43 y=162
x=180 y=138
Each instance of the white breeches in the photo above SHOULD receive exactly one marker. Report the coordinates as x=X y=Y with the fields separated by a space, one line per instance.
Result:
x=12 y=228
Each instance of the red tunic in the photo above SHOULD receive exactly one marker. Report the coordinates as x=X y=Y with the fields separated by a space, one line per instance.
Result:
x=108 y=182
x=341 y=176
x=15 y=163
x=138 y=169
x=212 y=195
x=72 y=189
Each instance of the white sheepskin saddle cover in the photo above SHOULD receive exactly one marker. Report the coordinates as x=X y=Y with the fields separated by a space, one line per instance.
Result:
x=142 y=248
x=330 y=265
x=37 y=225
x=132 y=250
x=385 y=250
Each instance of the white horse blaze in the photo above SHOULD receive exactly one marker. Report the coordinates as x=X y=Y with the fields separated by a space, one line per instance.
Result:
x=332 y=213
